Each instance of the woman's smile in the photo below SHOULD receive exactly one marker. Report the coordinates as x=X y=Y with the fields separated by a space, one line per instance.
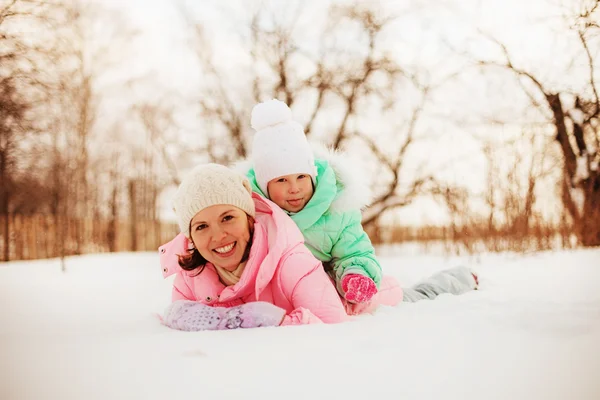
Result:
x=226 y=251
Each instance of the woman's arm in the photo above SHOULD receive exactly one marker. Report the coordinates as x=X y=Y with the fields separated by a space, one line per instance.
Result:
x=310 y=291
x=181 y=290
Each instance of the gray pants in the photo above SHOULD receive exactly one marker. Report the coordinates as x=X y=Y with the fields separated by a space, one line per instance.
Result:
x=456 y=280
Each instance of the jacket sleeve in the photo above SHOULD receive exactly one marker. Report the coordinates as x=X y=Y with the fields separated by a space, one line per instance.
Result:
x=353 y=252
x=181 y=290
x=310 y=290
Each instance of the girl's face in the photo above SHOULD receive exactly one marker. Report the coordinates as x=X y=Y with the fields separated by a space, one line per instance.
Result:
x=221 y=234
x=291 y=192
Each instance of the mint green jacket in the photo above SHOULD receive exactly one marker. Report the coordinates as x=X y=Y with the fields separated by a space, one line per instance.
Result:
x=331 y=223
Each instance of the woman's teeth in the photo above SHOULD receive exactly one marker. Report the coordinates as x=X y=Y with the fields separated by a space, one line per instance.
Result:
x=225 y=249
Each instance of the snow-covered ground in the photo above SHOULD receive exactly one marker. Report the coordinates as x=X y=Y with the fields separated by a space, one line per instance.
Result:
x=531 y=332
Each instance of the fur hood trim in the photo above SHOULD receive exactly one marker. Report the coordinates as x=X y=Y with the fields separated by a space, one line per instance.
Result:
x=350 y=172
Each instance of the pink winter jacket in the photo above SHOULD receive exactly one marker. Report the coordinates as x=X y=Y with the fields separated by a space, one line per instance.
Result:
x=280 y=270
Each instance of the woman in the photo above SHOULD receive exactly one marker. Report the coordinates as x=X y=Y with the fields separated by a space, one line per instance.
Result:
x=240 y=260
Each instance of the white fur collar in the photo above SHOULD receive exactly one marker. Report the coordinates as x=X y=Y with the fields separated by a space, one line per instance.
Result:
x=242 y=166
x=351 y=174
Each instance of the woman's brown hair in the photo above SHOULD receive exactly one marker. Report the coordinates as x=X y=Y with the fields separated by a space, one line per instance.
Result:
x=193 y=260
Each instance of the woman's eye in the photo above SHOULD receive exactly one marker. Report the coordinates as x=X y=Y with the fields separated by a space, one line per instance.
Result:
x=228 y=218
x=200 y=227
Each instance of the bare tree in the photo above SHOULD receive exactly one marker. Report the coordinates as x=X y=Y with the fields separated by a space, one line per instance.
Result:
x=157 y=119
x=156 y=166
x=332 y=83
x=93 y=39
x=576 y=121
x=24 y=87
x=60 y=153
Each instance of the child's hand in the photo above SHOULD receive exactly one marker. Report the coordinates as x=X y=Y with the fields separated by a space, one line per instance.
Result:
x=186 y=315
x=358 y=288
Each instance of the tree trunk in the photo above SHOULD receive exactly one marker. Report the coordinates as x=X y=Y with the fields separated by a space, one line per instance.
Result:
x=4 y=200
x=586 y=213
x=589 y=226
x=5 y=234
x=111 y=234
x=133 y=215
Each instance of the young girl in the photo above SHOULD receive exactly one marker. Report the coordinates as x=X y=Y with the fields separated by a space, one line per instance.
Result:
x=324 y=197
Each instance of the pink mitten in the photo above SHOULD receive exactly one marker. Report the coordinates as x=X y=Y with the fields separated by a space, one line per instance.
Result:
x=186 y=315
x=358 y=288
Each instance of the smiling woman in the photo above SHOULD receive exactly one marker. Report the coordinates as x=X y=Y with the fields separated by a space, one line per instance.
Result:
x=240 y=261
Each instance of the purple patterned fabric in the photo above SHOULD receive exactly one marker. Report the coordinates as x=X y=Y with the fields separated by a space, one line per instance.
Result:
x=186 y=315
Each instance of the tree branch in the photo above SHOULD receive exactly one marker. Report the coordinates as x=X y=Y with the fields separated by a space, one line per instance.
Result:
x=591 y=76
x=6 y=12
x=509 y=64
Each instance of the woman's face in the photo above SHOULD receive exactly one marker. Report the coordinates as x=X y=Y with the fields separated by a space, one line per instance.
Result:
x=221 y=234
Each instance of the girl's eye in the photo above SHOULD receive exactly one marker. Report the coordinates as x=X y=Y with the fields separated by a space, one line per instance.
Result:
x=301 y=176
x=227 y=218
x=280 y=180
x=200 y=227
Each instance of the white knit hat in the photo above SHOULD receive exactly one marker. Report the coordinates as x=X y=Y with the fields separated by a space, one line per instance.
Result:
x=280 y=146
x=208 y=185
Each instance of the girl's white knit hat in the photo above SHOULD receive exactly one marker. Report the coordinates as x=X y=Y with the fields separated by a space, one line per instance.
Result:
x=208 y=185
x=280 y=146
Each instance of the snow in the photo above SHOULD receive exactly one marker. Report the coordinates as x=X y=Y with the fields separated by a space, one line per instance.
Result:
x=578 y=197
x=531 y=332
x=577 y=116
x=581 y=172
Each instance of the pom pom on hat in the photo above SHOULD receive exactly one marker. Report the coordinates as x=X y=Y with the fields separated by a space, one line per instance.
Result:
x=280 y=147
x=270 y=113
